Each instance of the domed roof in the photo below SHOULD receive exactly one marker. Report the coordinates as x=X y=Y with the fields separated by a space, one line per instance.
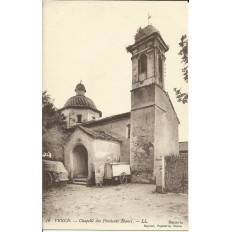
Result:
x=144 y=32
x=80 y=101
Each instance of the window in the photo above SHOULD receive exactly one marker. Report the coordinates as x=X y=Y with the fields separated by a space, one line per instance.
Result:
x=93 y=118
x=160 y=70
x=128 y=131
x=142 y=63
x=79 y=116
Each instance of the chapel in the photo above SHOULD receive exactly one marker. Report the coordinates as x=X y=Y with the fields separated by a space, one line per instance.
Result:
x=141 y=137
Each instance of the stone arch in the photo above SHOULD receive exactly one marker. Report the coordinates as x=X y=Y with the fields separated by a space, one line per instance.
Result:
x=80 y=161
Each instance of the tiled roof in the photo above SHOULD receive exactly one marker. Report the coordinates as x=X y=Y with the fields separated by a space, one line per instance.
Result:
x=106 y=119
x=98 y=134
x=80 y=100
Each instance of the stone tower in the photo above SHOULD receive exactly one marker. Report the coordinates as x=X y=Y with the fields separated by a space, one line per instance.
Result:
x=154 y=124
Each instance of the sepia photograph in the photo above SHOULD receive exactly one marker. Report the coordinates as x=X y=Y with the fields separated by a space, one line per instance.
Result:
x=115 y=115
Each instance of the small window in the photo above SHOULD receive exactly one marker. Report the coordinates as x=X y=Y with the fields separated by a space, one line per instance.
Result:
x=93 y=118
x=160 y=70
x=128 y=131
x=79 y=117
x=142 y=63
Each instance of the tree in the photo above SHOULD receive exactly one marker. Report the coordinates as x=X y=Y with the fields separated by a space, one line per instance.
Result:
x=182 y=96
x=51 y=117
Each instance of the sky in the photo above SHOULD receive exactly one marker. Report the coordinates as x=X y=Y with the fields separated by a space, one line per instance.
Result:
x=86 y=40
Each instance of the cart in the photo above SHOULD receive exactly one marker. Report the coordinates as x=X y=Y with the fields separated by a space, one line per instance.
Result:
x=117 y=172
x=54 y=172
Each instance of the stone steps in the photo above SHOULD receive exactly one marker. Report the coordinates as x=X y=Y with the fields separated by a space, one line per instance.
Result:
x=79 y=181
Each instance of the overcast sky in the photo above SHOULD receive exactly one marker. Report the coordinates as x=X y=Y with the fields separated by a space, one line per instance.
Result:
x=87 y=40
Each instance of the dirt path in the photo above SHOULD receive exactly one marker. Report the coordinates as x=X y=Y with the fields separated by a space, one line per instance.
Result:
x=80 y=207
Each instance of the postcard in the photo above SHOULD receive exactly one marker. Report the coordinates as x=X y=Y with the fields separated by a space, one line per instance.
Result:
x=115 y=115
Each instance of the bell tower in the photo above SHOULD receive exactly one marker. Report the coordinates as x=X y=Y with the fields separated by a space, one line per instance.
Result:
x=148 y=57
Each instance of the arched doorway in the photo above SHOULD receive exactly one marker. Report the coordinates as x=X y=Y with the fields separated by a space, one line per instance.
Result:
x=80 y=161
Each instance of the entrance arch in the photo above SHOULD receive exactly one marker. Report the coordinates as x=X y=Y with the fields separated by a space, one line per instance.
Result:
x=80 y=161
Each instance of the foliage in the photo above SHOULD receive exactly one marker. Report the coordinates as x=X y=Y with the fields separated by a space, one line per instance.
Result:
x=182 y=96
x=50 y=115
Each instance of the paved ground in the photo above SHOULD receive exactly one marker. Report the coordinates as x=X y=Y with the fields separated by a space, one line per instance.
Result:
x=127 y=206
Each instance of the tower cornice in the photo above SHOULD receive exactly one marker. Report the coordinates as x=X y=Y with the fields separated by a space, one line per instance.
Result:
x=130 y=48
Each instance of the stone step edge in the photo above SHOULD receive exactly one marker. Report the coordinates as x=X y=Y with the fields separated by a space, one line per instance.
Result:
x=78 y=183
x=78 y=180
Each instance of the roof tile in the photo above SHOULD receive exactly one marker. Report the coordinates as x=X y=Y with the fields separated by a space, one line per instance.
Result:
x=98 y=134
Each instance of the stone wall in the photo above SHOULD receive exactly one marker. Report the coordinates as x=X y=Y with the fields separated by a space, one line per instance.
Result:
x=71 y=115
x=154 y=134
x=166 y=125
x=142 y=145
x=176 y=173
x=118 y=129
x=165 y=133
x=143 y=97
x=105 y=152
x=142 y=134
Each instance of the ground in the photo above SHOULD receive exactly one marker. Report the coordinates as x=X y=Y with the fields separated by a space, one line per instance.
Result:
x=127 y=206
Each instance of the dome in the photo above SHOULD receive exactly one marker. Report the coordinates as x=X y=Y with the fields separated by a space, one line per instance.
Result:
x=144 y=32
x=80 y=101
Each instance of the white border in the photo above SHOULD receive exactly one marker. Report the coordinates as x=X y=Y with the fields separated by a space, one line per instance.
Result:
x=210 y=41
